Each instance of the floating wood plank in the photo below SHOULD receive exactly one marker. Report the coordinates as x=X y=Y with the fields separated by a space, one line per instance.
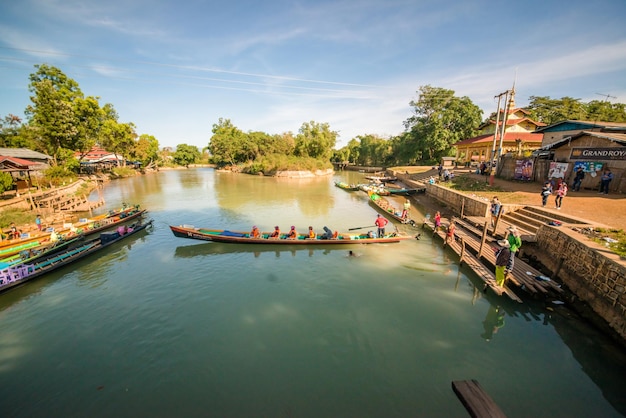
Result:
x=477 y=402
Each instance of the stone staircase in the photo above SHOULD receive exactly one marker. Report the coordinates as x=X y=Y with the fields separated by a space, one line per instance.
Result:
x=531 y=218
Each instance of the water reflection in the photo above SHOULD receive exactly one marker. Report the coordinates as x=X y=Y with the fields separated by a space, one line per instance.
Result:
x=216 y=248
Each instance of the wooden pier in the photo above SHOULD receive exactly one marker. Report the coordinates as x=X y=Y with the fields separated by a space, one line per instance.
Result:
x=474 y=248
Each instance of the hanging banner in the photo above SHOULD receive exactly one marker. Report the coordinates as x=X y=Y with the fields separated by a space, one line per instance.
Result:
x=523 y=170
x=617 y=153
x=591 y=167
x=557 y=170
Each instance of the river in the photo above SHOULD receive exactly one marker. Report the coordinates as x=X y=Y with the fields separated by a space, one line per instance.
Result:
x=161 y=326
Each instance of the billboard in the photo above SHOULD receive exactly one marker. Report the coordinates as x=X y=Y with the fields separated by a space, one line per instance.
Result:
x=523 y=169
x=557 y=170
x=617 y=153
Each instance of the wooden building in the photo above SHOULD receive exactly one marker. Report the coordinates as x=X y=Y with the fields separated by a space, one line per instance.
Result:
x=519 y=137
x=594 y=151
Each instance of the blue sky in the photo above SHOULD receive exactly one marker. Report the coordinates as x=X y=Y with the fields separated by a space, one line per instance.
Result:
x=175 y=68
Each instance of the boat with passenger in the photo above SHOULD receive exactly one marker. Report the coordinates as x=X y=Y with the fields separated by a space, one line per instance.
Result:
x=327 y=238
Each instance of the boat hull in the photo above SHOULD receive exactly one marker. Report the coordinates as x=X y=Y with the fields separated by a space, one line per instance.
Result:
x=238 y=237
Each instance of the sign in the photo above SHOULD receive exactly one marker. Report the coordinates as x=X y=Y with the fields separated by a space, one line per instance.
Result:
x=589 y=167
x=557 y=170
x=523 y=169
x=617 y=153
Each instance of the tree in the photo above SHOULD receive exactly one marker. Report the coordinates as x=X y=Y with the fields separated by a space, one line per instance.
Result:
x=14 y=134
x=226 y=143
x=146 y=150
x=53 y=115
x=186 y=154
x=440 y=120
x=315 y=140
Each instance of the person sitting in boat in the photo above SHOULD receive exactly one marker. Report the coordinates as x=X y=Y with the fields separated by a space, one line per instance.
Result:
x=14 y=232
x=276 y=233
x=292 y=234
x=328 y=234
x=311 y=233
x=255 y=232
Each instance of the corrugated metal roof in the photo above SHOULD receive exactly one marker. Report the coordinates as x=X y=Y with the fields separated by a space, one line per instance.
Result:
x=24 y=153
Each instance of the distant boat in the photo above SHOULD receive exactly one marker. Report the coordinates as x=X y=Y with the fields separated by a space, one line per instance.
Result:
x=346 y=186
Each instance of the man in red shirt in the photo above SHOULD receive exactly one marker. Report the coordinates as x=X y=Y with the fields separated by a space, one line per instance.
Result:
x=380 y=223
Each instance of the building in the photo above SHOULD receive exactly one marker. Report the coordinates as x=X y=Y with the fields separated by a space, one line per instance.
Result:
x=594 y=151
x=567 y=128
x=520 y=137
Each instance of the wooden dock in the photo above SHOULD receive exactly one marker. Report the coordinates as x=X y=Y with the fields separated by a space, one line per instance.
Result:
x=475 y=248
x=486 y=275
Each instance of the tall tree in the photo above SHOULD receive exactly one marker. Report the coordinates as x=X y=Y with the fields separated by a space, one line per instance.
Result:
x=186 y=154
x=146 y=150
x=227 y=145
x=315 y=140
x=440 y=120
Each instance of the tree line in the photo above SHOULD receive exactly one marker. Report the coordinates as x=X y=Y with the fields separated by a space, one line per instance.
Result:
x=62 y=121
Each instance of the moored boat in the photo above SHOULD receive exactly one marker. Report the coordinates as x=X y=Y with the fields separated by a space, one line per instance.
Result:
x=240 y=237
x=23 y=273
x=346 y=186
x=384 y=206
x=406 y=192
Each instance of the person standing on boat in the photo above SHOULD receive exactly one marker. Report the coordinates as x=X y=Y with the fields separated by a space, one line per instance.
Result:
x=276 y=233
x=292 y=234
x=380 y=222
x=405 y=210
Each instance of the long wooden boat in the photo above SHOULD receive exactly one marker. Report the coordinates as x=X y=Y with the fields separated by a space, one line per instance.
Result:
x=239 y=237
x=12 y=255
x=406 y=192
x=346 y=186
x=384 y=206
x=383 y=179
x=23 y=273
x=123 y=212
x=379 y=189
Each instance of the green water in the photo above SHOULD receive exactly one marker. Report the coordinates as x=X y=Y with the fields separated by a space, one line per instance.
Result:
x=162 y=326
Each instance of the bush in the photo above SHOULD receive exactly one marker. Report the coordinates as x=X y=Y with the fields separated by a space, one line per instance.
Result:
x=123 y=172
x=58 y=175
x=6 y=182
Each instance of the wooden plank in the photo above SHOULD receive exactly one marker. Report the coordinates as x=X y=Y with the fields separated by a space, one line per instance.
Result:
x=477 y=402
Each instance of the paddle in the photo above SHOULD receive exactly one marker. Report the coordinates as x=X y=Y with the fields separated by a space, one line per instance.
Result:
x=361 y=227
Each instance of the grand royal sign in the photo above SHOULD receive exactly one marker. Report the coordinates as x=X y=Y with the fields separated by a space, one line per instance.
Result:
x=598 y=153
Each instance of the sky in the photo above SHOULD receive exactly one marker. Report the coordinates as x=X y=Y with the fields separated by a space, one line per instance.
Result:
x=174 y=68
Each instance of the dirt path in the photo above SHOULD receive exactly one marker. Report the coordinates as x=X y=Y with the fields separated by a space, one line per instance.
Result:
x=608 y=209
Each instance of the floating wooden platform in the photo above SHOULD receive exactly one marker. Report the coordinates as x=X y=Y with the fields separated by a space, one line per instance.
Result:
x=477 y=402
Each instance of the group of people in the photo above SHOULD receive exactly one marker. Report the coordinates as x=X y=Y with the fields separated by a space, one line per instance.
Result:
x=547 y=190
x=505 y=254
x=605 y=180
x=292 y=234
